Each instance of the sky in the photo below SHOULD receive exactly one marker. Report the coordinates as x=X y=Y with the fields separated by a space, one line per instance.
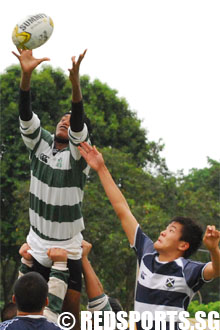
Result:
x=162 y=56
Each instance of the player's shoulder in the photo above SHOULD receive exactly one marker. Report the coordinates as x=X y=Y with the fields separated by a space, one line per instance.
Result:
x=188 y=263
x=21 y=324
x=144 y=241
x=10 y=324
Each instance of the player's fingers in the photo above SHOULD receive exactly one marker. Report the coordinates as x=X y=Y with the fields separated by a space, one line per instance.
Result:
x=216 y=233
x=73 y=58
x=84 y=53
x=87 y=147
x=81 y=56
x=19 y=50
x=212 y=230
x=24 y=247
x=209 y=229
x=82 y=152
x=16 y=55
x=43 y=59
x=96 y=151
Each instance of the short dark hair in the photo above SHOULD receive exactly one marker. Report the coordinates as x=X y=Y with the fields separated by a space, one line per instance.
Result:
x=9 y=311
x=30 y=292
x=191 y=232
x=115 y=305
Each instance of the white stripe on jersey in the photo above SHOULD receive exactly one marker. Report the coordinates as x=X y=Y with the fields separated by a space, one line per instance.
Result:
x=30 y=126
x=157 y=281
x=97 y=304
x=55 y=196
x=26 y=129
x=57 y=287
x=63 y=230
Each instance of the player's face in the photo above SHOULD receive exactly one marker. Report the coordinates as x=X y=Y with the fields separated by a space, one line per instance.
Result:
x=169 y=239
x=62 y=127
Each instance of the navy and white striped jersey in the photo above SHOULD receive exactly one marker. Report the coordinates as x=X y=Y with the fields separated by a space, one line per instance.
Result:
x=29 y=322
x=164 y=286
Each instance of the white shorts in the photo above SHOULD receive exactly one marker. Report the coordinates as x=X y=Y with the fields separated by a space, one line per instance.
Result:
x=40 y=246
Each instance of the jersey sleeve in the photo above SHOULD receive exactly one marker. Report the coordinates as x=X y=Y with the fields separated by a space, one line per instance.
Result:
x=57 y=286
x=30 y=131
x=143 y=244
x=25 y=267
x=193 y=272
x=75 y=138
x=99 y=303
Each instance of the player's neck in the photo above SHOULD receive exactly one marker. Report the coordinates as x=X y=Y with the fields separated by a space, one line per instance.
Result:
x=168 y=257
x=20 y=313
x=60 y=145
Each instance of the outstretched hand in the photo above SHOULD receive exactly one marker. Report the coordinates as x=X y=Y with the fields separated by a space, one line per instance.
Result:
x=91 y=155
x=74 y=71
x=211 y=238
x=27 y=61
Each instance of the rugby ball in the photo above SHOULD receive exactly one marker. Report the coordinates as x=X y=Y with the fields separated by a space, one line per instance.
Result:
x=32 y=31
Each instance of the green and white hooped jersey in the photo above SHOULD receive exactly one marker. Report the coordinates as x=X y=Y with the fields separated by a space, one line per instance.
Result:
x=57 y=182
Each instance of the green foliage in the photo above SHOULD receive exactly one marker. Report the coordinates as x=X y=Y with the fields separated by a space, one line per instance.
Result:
x=210 y=292
x=195 y=306
x=131 y=159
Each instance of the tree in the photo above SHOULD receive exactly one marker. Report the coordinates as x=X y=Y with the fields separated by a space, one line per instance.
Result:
x=199 y=198
x=154 y=199
x=199 y=194
x=51 y=97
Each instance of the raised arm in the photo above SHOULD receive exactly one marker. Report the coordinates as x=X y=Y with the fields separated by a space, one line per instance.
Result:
x=93 y=285
x=28 y=64
x=118 y=201
x=77 y=115
x=211 y=241
x=75 y=78
x=97 y=299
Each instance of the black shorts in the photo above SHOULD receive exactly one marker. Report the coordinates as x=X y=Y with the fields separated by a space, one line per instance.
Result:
x=75 y=269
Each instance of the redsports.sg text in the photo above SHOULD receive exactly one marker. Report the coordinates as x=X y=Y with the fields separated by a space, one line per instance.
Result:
x=108 y=320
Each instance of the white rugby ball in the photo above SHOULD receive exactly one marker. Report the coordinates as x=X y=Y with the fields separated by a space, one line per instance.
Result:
x=32 y=31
